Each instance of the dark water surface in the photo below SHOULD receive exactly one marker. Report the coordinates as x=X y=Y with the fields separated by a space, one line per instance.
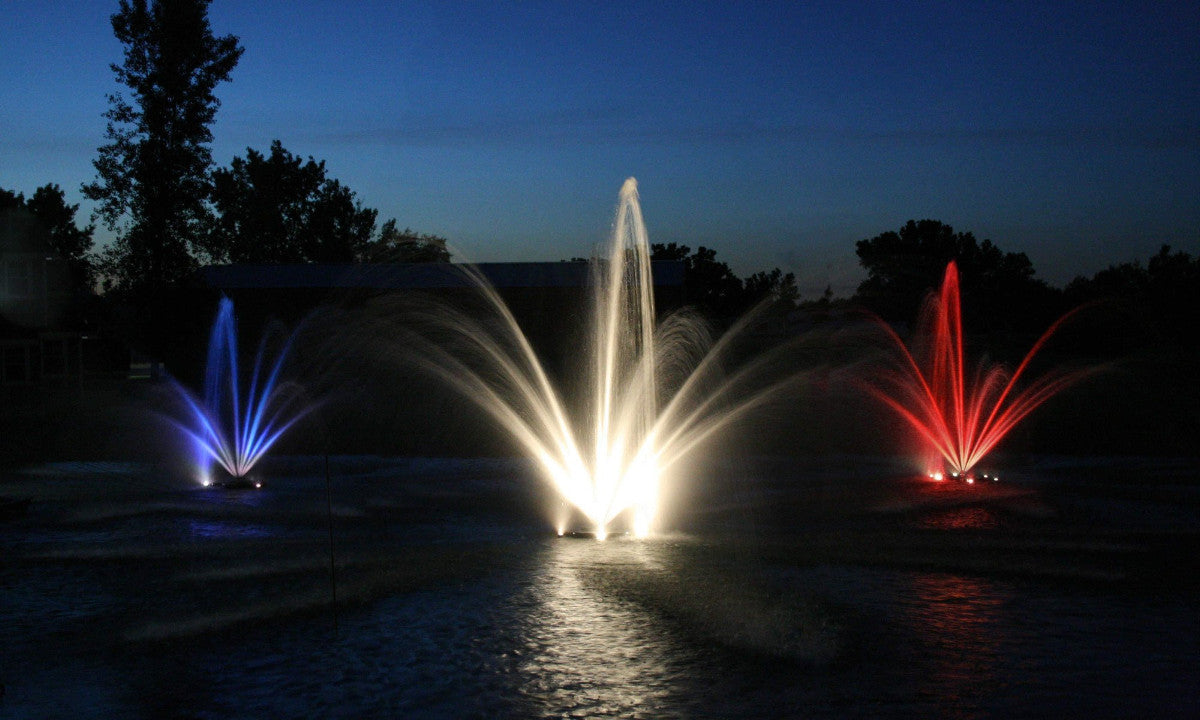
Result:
x=127 y=596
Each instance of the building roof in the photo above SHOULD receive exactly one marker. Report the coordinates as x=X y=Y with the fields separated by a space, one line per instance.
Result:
x=415 y=276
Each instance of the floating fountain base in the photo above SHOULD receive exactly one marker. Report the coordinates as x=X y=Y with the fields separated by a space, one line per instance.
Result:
x=240 y=484
x=591 y=534
x=226 y=481
x=968 y=478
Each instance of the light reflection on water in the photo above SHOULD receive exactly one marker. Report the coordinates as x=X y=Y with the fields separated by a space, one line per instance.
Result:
x=961 y=518
x=961 y=623
x=227 y=530
x=587 y=653
x=542 y=633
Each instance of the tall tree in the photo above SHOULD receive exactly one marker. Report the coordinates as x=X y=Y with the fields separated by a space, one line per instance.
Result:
x=278 y=209
x=708 y=283
x=152 y=178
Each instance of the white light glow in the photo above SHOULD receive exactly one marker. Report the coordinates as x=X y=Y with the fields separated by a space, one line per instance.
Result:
x=650 y=396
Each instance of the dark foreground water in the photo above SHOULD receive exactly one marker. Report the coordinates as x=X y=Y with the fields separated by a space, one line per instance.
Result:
x=792 y=594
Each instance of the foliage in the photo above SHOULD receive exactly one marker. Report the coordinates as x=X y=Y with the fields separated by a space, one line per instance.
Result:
x=714 y=288
x=773 y=285
x=281 y=209
x=1000 y=291
x=1163 y=295
x=708 y=284
x=405 y=245
x=67 y=240
x=152 y=177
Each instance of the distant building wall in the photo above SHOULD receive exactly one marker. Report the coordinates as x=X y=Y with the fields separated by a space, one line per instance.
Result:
x=36 y=352
x=381 y=406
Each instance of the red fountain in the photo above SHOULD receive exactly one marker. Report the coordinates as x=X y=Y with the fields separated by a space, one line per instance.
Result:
x=961 y=417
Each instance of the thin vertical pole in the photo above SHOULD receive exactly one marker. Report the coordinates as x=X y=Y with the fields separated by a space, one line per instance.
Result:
x=332 y=565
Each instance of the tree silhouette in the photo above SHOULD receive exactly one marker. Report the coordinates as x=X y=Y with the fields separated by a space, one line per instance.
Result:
x=709 y=285
x=712 y=286
x=999 y=289
x=1163 y=295
x=56 y=219
x=405 y=245
x=774 y=286
x=281 y=209
x=152 y=176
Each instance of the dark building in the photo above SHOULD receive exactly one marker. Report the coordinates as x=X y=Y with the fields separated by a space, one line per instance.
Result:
x=526 y=286
x=371 y=403
x=38 y=349
x=548 y=299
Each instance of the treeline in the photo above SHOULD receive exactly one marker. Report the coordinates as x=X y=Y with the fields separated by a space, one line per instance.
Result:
x=157 y=189
x=171 y=209
x=1127 y=303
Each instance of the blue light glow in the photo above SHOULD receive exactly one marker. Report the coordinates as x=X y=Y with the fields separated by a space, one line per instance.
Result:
x=227 y=428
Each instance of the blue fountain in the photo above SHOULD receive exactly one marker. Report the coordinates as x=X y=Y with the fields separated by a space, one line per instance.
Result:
x=228 y=431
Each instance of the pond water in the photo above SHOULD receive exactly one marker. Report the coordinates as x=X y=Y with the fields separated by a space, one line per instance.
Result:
x=125 y=597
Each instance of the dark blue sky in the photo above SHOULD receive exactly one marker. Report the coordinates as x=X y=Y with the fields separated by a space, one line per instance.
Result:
x=778 y=133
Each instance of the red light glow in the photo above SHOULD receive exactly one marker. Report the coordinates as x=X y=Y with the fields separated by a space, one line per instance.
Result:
x=959 y=414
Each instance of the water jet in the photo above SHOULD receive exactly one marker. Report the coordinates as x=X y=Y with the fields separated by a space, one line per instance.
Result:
x=231 y=428
x=654 y=391
x=958 y=416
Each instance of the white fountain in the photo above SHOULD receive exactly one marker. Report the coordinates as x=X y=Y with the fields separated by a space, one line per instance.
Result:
x=655 y=392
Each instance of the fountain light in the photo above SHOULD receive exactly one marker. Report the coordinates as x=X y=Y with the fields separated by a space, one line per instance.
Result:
x=655 y=392
x=961 y=415
x=232 y=427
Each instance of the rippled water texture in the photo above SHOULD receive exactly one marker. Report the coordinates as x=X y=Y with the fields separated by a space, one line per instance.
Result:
x=125 y=598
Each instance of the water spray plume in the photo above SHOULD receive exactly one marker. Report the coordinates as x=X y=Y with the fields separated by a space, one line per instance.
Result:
x=961 y=416
x=609 y=458
x=227 y=427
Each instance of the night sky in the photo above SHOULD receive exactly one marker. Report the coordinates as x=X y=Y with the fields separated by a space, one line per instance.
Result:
x=777 y=133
